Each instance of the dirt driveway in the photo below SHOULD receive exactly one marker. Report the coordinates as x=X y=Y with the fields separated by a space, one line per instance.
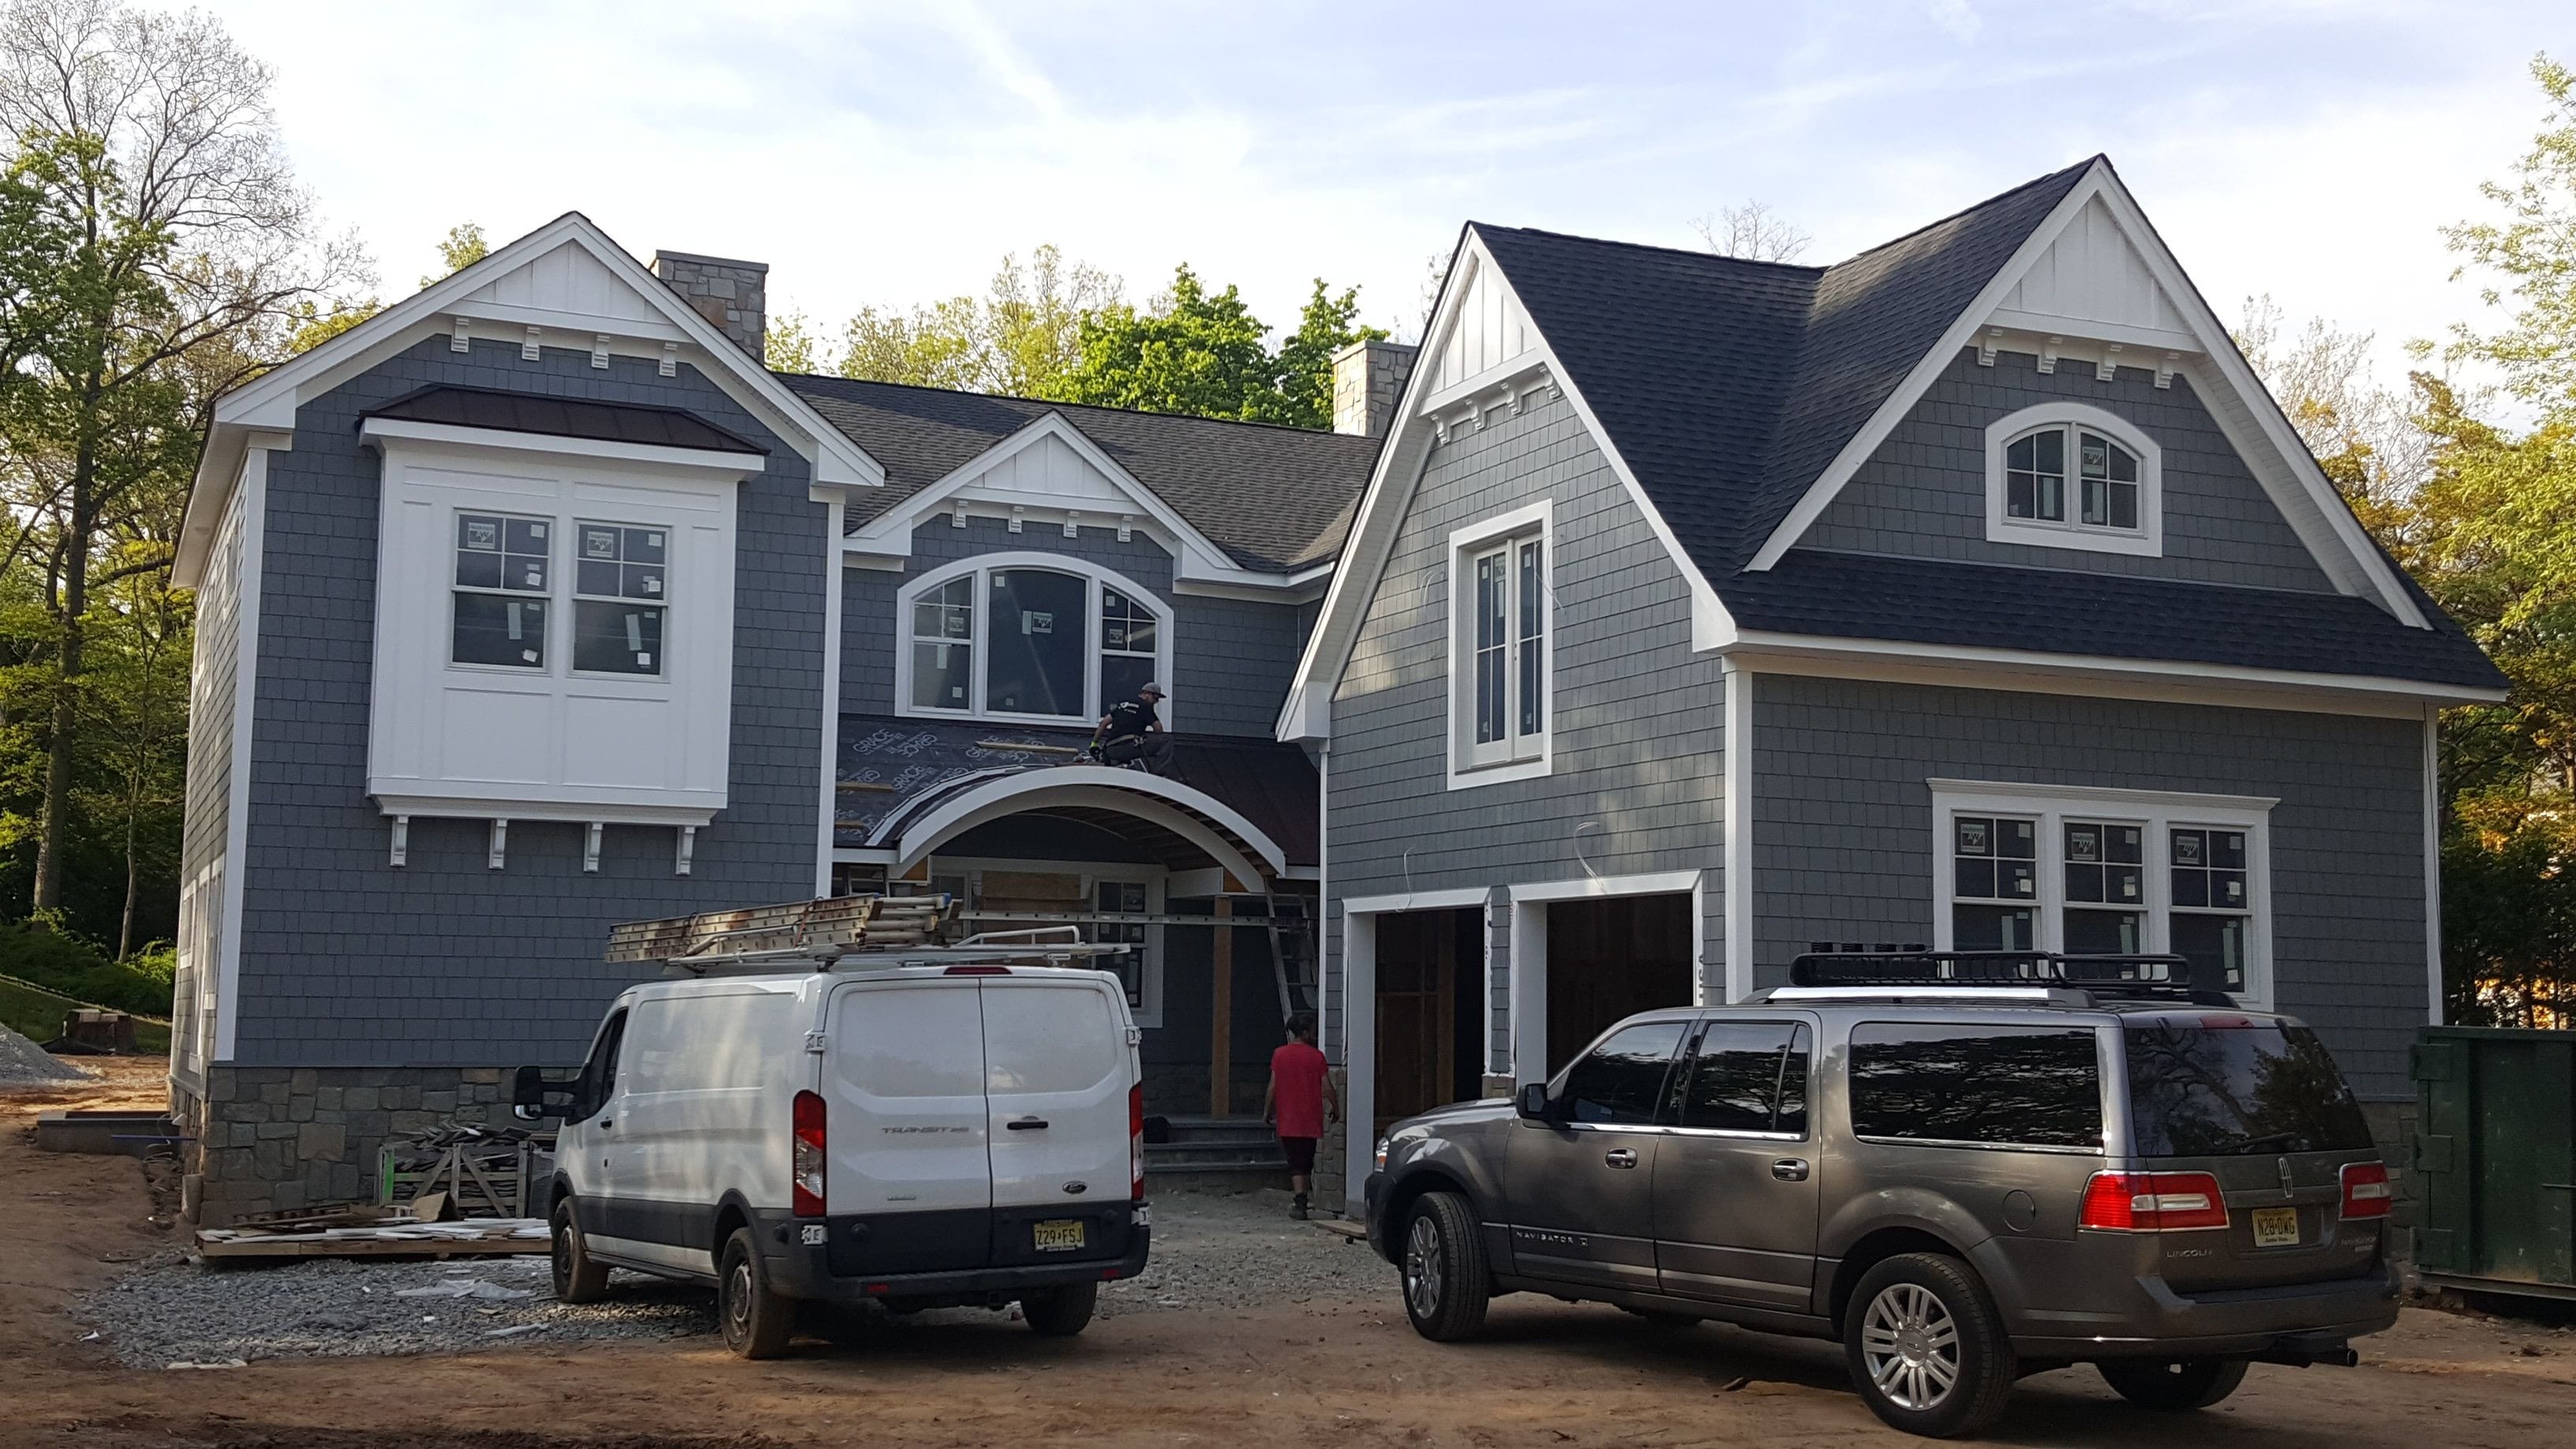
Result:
x=1332 y=1370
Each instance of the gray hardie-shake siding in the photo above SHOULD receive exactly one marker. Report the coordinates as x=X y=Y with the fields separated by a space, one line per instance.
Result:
x=1637 y=720
x=1843 y=828
x=347 y=960
x=1923 y=493
x=1231 y=659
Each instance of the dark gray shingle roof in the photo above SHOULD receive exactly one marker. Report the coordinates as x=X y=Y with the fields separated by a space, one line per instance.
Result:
x=1274 y=498
x=562 y=417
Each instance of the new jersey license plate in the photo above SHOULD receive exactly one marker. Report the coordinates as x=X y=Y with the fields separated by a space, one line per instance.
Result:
x=2276 y=1227
x=1064 y=1235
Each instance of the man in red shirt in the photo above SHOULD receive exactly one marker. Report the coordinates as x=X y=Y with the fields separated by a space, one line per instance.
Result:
x=1299 y=1102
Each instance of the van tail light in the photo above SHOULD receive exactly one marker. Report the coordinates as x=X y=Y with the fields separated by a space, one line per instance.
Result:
x=807 y=1167
x=1136 y=1142
x=2367 y=1192
x=2151 y=1202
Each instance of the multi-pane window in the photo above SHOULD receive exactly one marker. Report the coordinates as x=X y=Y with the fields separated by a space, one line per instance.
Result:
x=2212 y=903
x=502 y=576
x=2106 y=888
x=1501 y=651
x=620 y=584
x=1129 y=641
x=1030 y=642
x=2106 y=479
x=1994 y=888
x=943 y=646
x=1127 y=898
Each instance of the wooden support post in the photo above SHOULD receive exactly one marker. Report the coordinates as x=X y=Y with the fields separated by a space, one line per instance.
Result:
x=1221 y=1014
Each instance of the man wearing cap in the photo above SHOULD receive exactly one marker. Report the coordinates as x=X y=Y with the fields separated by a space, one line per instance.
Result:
x=1131 y=733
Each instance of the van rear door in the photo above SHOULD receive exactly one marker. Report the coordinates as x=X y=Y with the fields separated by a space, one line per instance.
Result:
x=1057 y=1074
x=905 y=1149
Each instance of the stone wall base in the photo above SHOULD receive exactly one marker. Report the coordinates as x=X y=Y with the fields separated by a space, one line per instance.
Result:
x=270 y=1139
x=2392 y=1126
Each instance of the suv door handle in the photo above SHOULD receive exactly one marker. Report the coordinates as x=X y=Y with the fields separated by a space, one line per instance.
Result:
x=1789 y=1169
x=1026 y=1124
x=1620 y=1157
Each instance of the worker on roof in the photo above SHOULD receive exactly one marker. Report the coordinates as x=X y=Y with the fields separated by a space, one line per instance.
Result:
x=1131 y=734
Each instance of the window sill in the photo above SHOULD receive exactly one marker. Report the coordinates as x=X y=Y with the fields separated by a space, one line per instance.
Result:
x=2075 y=536
x=1463 y=777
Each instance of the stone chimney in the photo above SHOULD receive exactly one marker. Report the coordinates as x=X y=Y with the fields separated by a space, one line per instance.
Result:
x=1368 y=378
x=732 y=295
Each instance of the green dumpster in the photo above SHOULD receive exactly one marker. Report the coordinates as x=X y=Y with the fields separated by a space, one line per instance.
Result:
x=2495 y=1160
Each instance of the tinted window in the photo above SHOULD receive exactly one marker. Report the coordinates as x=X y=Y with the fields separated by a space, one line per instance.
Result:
x=1622 y=1079
x=2027 y=1085
x=1748 y=1076
x=2212 y=1087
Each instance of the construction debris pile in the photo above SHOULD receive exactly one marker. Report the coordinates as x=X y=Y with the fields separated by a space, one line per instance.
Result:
x=23 y=1063
x=482 y=1170
x=348 y=1230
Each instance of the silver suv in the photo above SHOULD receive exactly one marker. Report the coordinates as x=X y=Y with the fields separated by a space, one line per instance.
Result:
x=1965 y=1166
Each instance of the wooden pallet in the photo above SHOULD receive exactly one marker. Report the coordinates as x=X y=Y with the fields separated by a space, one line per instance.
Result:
x=482 y=1237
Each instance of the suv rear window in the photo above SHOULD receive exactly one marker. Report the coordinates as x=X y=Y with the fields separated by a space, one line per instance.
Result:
x=2031 y=1086
x=2228 y=1086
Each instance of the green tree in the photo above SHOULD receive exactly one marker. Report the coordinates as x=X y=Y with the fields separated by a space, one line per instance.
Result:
x=462 y=247
x=1022 y=338
x=1203 y=353
x=2529 y=255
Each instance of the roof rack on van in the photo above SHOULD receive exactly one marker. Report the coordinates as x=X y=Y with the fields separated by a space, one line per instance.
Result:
x=2118 y=977
x=875 y=931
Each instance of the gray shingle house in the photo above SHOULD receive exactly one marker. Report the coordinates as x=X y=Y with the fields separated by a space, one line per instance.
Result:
x=535 y=603
x=1969 y=593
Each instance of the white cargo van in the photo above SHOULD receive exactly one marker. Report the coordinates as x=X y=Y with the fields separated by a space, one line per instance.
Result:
x=920 y=1136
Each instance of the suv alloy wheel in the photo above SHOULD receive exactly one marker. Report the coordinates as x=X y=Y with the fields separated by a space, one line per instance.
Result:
x=1926 y=1347
x=1446 y=1284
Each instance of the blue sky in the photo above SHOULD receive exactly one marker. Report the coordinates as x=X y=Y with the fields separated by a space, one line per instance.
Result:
x=892 y=153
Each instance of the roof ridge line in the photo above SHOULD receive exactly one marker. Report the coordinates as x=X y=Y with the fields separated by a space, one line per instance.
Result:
x=1040 y=402
x=1638 y=246
x=2086 y=164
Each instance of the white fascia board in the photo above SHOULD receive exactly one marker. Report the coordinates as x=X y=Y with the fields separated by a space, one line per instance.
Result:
x=1457 y=898
x=1973 y=793
x=1381 y=511
x=2029 y=671
x=726 y=464
x=2040 y=324
x=479 y=807
x=272 y=399
x=1820 y=493
x=1659 y=883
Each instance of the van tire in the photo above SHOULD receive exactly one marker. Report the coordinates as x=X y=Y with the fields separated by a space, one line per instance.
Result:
x=1060 y=1312
x=757 y=1322
x=2173 y=1386
x=1441 y=1256
x=577 y=1278
x=1934 y=1303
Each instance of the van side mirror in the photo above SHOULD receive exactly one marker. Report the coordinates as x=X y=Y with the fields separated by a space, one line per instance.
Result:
x=1532 y=1102
x=532 y=1097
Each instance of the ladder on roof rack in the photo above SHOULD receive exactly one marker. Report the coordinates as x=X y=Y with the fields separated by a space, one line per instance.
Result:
x=2123 y=976
x=879 y=931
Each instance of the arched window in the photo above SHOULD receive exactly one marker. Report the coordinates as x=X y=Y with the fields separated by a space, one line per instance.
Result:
x=2064 y=475
x=1027 y=636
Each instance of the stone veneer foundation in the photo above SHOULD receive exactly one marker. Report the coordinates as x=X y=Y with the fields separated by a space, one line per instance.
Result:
x=270 y=1138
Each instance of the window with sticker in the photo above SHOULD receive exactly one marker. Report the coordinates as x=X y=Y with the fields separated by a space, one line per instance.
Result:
x=503 y=572
x=621 y=586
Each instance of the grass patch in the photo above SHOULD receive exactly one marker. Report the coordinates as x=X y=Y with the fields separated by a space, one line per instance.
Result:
x=38 y=1015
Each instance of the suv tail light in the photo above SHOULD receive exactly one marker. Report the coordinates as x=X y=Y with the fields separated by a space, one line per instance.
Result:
x=806 y=1169
x=2366 y=1190
x=2150 y=1202
x=1136 y=1142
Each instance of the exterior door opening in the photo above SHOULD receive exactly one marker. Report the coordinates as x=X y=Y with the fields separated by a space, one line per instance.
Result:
x=1609 y=958
x=1430 y=969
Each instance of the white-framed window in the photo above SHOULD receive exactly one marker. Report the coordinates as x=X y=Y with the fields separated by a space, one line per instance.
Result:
x=503 y=574
x=2106 y=872
x=620 y=588
x=2070 y=475
x=1031 y=637
x=1501 y=656
x=504 y=586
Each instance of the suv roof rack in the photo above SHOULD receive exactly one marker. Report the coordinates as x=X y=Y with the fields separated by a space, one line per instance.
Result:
x=879 y=932
x=2121 y=977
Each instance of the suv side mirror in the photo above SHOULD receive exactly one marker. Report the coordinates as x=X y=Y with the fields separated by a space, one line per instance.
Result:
x=1532 y=1101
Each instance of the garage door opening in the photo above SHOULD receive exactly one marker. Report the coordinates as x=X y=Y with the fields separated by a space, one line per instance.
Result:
x=1430 y=972
x=1612 y=957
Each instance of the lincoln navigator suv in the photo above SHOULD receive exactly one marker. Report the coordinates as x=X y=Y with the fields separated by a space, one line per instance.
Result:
x=1966 y=1167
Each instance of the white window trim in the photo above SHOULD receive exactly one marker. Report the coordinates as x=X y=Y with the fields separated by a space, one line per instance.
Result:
x=1096 y=576
x=2146 y=541
x=1530 y=756
x=1094 y=874
x=2157 y=810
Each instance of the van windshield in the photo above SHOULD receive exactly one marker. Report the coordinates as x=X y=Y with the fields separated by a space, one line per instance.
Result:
x=2231 y=1086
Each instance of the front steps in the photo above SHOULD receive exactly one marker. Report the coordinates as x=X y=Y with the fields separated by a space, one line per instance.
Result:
x=1216 y=1154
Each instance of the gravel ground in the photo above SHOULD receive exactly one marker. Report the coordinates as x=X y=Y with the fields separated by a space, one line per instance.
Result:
x=1210 y=1253
x=22 y=1061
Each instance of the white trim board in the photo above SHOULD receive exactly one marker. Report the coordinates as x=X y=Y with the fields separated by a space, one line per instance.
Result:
x=830 y=770
x=252 y=499
x=1737 y=840
x=1658 y=883
x=1518 y=756
x=2287 y=471
x=646 y=320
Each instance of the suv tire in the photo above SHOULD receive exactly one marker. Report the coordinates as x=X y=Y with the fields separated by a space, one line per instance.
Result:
x=1442 y=1257
x=1060 y=1312
x=756 y=1322
x=2174 y=1385
x=577 y=1279
x=1927 y=1350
